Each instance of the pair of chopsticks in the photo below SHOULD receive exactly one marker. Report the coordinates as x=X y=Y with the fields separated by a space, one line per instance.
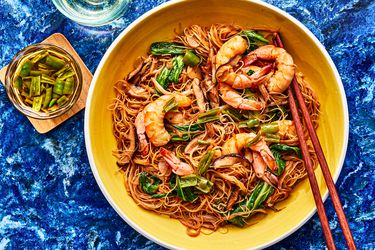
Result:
x=322 y=161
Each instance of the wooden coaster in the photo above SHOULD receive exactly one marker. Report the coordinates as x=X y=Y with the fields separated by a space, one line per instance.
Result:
x=43 y=126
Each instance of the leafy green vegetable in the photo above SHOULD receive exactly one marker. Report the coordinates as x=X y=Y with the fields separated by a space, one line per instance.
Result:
x=284 y=147
x=167 y=48
x=186 y=194
x=279 y=162
x=250 y=72
x=204 y=185
x=162 y=78
x=178 y=66
x=205 y=162
x=149 y=183
x=261 y=192
x=199 y=182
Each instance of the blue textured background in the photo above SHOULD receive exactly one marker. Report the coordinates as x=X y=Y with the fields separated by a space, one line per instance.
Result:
x=48 y=196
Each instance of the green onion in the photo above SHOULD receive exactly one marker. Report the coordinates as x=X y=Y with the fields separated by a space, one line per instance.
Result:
x=190 y=127
x=191 y=59
x=269 y=128
x=252 y=35
x=203 y=142
x=233 y=113
x=249 y=123
x=171 y=104
x=253 y=141
x=205 y=162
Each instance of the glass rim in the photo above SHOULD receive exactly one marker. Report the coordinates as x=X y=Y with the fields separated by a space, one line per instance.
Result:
x=93 y=22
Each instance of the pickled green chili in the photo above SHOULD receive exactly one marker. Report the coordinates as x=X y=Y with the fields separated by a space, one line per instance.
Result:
x=45 y=80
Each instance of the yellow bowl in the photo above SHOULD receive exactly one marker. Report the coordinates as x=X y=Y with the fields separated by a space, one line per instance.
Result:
x=160 y=24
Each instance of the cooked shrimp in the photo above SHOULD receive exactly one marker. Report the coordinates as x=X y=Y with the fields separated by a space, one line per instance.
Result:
x=154 y=117
x=264 y=151
x=284 y=73
x=175 y=117
x=260 y=168
x=234 y=46
x=234 y=99
x=287 y=130
x=178 y=167
x=240 y=79
x=237 y=142
x=141 y=133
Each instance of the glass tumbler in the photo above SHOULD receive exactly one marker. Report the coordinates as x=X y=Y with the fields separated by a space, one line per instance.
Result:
x=92 y=12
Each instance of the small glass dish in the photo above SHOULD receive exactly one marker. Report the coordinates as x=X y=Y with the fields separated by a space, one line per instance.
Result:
x=92 y=12
x=14 y=68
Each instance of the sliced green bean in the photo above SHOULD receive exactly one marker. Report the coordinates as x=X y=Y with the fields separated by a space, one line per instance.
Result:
x=48 y=97
x=37 y=102
x=18 y=83
x=26 y=68
x=52 y=102
x=68 y=86
x=55 y=62
x=59 y=87
x=63 y=99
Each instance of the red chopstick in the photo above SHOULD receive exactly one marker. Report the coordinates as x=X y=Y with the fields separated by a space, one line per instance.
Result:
x=323 y=164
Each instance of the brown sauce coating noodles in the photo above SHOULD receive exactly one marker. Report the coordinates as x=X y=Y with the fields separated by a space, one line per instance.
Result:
x=211 y=210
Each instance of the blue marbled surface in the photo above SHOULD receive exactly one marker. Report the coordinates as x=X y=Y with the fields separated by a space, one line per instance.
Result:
x=48 y=196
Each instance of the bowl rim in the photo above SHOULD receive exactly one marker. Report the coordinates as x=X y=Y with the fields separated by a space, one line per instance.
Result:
x=117 y=41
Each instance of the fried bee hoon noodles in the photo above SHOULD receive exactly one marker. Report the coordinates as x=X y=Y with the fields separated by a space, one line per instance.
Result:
x=203 y=128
